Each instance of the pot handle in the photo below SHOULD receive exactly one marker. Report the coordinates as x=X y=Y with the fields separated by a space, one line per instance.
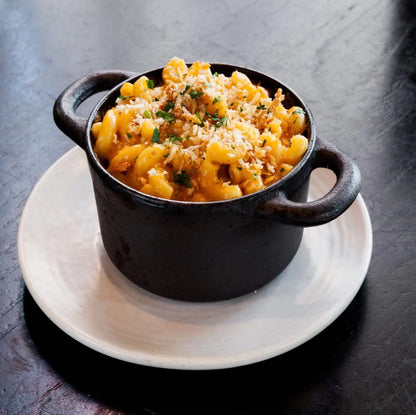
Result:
x=66 y=104
x=328 y=207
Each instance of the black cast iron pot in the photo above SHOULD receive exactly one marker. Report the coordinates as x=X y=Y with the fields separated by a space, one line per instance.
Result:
x=205 y=251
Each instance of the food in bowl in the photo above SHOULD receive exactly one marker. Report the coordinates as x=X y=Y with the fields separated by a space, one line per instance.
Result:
x=200 y=136
x=199 y=251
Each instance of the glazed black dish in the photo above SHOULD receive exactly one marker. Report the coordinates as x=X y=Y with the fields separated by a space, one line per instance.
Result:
x=210 y=251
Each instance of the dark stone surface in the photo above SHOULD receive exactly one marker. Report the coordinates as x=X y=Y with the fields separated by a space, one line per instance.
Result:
x=355 y=64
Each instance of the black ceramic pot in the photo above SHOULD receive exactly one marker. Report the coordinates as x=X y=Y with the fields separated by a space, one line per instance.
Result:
x=205 y=251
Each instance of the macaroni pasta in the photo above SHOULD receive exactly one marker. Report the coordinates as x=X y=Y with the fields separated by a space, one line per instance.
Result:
x=200 y=136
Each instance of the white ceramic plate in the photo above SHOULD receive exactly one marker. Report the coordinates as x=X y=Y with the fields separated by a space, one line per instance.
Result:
x=71 y=278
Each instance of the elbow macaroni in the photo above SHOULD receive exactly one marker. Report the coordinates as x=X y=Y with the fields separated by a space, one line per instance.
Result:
x=199 y=136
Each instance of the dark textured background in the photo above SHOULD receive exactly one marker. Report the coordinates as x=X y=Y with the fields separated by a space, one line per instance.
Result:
x=355 y=63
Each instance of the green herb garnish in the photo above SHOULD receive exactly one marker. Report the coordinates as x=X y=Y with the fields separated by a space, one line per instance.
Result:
x=214 y=117
x=298 y=111
x=156 y=135
x=165 y=115
x=147 y=114
x=122 y=97
x=216 y=100
x=182 y=178
x=128 y=135
x=186 y=88
x=166 y=155
x=169 y=105
x=150 y=83
x=201 y=121
x=216 y=74
x=261 y=107
x=195 y=94
x=173 y=138
x=239 y=168
x=219 y=122
x=222 y=122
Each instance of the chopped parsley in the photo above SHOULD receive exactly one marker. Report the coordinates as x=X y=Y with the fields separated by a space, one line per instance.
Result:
x=261 y=107
x=122 y=97
x=195 y=94
x=239 y=168
x=241 y=109
x=282 y=170
x=216 y=100
x=150 y=83
x=182 y=178
x=186 y=88
x=169 y=105
x=166 y=155
x=201 y=121
x=165 y=115
x=222 y=122
x=128 y=135
x=156 y=135
x=173 y=138
x=214 y=117
x=147 y=114
x=219 y=122
x=298 y=111
x=216 y=74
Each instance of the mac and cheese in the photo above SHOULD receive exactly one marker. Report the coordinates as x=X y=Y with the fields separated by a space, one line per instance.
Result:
x=200 y=136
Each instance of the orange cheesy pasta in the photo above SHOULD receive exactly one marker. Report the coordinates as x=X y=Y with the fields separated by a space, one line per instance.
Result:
x=200 y=136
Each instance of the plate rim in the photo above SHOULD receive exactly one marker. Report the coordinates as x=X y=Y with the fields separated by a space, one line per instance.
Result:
x=182 y=363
